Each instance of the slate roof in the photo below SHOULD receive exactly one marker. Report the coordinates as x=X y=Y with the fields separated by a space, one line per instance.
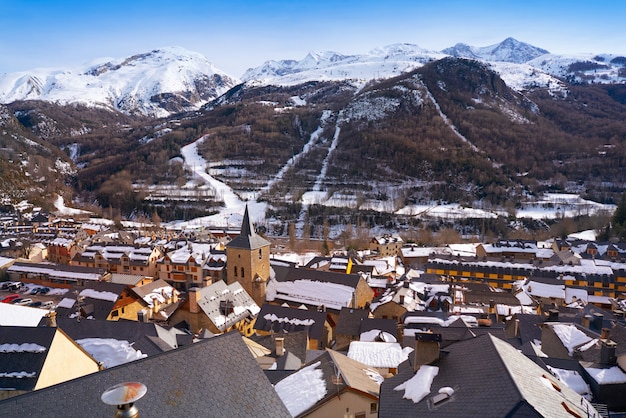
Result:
x=94 y=307
x=248 y=238
x=490 y=378
x=295 y=342
x=142 y=336
x=289 y=320
x=216 y=377
x=350 y=320
x=387 y=325
x=211 y=298
x=27 y=360
x=286 y=274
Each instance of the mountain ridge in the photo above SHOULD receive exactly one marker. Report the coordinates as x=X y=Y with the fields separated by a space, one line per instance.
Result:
x=172 y=79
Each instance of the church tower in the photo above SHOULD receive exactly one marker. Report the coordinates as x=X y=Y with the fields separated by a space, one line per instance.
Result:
x=248 y=261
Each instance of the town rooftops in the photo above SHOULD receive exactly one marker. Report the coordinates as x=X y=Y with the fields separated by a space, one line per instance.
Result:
x=213 y=377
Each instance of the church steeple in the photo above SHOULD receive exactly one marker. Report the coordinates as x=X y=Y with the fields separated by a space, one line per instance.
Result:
x=248 y=260
x=248 y=238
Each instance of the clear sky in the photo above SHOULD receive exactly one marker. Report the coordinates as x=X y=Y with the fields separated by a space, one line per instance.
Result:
x=238 y=34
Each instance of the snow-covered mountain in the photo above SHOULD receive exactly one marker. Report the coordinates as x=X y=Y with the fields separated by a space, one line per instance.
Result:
x=509 y=50
x=379 y=63
x=156 y=83
x=170 y=80
x=521 y=65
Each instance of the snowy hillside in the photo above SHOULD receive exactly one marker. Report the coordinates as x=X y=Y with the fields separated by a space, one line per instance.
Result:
x=156 y=83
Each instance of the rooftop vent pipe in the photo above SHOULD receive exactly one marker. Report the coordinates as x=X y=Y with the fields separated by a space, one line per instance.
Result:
x=124 y=396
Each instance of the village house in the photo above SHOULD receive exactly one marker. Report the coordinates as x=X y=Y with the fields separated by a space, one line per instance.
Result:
x=146 y=302
x=97 y=300
x=335 y=386
x=32 y=358
x=324 y=290
x=183 y=266
x=56 y=275
x=273 y=319
x=126 y=259
x=464 y=381
x=386 y=245
x=217 y=308
x=61 y=250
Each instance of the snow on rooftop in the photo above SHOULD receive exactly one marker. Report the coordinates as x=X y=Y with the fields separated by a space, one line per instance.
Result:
x=110 y=352
x=333 y=295
x=101 y=295
x=20 y=316
x=22 y=348
x=573 y=380
x=66 y=303
x=273 y=318
x=418 y=387
x=570 y=336
x=302 y=389
x=378 y=354
x=612 y=375
x=374 y=334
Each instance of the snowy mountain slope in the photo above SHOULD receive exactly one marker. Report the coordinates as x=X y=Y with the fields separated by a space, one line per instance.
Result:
x=523 y=65
x=379 y=63
x=156 y=83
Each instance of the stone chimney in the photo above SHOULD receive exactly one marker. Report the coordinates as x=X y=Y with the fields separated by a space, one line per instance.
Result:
x=553 y=315
x=51 y=319
x=586 y=321
x=597 y=320
x=194 y=297
x=280 y=346
x=427 y=347
x=605 y=333
x=607 y=352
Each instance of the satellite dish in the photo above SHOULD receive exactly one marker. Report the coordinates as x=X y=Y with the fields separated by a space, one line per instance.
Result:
x=124 y=393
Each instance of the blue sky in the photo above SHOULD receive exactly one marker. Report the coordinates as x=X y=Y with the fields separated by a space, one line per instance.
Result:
x=237 y=34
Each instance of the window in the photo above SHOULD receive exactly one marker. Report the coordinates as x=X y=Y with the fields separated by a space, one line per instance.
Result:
x=373 y=407
x=242 y=272
x=260 y=253
x=235 y=271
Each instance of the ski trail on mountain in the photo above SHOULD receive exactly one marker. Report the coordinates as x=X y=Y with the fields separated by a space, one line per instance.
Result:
x=447 y=121
x=296 y=158
x=233 y=205
x=315 y=195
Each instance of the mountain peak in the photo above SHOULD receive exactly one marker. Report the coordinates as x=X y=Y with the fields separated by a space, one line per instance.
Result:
x=509 y=50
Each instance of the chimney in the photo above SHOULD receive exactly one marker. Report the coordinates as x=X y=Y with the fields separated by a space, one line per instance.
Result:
x=605 y=333
x=427 y=347
x=607 y=352
x=194 y=297
x=280 y=346
x=553 y=315
x=51 y=319
x=492 y=307
x=596 y=323
x=619 y=314
x=406 y=283
x=586 y=321
x=401 y=299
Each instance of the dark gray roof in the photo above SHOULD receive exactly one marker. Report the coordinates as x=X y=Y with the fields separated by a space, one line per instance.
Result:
x=248 y=238
x=94 y=307
x=295 y=342
x=283 y=323
x=217 y=377
x=28 y=361
x=350 y=321
x=136 y=333
x=388 y=325
x=490 y=378
x=287 y=274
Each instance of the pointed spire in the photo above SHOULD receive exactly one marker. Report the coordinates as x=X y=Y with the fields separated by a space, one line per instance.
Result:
x=248 y=237
x=247 y=229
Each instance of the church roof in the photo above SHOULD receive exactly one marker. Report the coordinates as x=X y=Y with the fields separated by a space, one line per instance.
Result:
x=248 y=238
